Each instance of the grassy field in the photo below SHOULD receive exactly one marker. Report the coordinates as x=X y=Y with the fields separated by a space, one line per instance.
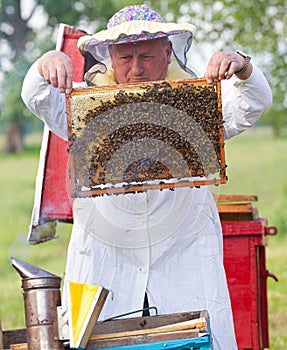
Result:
x=256 y=165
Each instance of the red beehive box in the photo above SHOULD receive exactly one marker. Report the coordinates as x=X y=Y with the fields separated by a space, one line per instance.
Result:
x=245 y=240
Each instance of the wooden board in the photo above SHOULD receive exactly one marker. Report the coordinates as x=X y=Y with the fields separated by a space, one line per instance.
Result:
x=235 y=198
x=237 y=207
x=138 y=137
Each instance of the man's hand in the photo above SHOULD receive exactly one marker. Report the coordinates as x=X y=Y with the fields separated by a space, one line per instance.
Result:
x=222 y=65
x=57 y=69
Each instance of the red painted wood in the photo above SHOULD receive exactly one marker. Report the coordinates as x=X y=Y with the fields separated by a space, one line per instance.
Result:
x=262 y=297
x=56 y=201
x=244 y=262
x=235 y=228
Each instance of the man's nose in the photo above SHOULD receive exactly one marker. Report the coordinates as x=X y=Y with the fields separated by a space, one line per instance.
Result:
x=137 y=66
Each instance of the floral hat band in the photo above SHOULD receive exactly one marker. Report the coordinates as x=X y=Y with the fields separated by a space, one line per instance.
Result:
x=134 y=13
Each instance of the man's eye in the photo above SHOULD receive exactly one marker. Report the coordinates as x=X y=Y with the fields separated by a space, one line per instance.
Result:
x=125 y=58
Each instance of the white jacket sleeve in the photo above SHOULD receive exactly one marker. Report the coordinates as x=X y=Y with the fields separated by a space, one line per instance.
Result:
x=244 y=101
x=46 y=102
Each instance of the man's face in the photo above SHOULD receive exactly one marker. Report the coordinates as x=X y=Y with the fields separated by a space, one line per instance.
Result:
x=141 y=61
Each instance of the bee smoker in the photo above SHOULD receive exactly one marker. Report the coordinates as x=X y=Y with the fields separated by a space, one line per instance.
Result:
x=41 y=291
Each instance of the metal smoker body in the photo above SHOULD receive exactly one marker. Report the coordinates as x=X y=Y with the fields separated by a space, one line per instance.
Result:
x=41 y=291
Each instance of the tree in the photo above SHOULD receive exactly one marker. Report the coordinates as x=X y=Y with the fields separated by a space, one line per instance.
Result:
x=258 y=27
x=25 y=27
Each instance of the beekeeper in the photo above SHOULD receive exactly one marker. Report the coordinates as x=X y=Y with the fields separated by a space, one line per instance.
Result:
x=164 y=247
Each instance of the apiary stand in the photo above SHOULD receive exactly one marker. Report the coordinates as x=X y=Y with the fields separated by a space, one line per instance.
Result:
x=245 y=241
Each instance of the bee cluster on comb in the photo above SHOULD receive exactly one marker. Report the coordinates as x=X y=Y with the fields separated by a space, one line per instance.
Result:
x=134 y=137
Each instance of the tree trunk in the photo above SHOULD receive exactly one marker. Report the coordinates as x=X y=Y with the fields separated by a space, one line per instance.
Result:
x=14 y=139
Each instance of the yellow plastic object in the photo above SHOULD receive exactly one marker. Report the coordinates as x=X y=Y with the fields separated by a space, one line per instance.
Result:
x=85 y=304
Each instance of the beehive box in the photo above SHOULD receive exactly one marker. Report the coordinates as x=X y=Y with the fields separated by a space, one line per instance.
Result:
x=137 y=137
x=189 y=330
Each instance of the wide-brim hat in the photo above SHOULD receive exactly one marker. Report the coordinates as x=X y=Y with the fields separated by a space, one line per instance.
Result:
x=138 y=23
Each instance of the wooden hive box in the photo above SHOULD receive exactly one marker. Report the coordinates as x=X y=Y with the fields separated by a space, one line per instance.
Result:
x=245 y=237
x=154 y=332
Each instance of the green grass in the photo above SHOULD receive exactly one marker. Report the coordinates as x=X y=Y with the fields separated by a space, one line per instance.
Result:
x=17 y=186
x=257 y=164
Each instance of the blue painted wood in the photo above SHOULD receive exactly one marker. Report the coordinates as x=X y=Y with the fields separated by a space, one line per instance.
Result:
x=200 y=343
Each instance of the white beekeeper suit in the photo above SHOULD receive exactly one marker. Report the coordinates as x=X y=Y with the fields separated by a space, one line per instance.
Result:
x=167 y=244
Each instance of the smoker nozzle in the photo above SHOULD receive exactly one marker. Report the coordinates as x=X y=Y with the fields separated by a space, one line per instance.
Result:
x=26 y=270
